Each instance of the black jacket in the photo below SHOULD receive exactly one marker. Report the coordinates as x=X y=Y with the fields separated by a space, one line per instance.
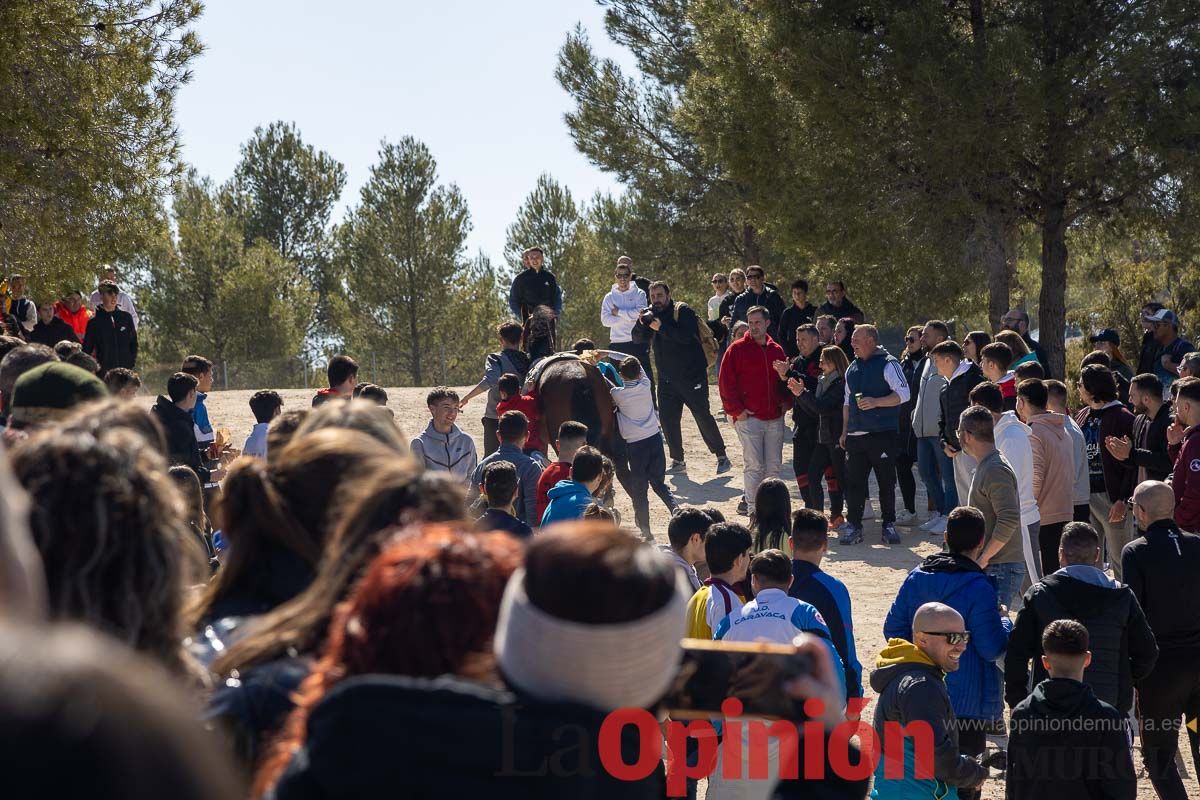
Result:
x=1150 y=444
x=1122 y=644
x=532 y=288
x=496 y=519
x=1053 y=756
x=1162 y=567
x=912 y=368
x=678 y=354
x=954 y=402
x=769 y=299
x=807 y=371
x=182 y=447
x=846 y=309
x=791 y=319
x=1148 y=356
x=50 y=335
x=112 y=339
x=253 y=708
x=826 y=410
x=382 y=736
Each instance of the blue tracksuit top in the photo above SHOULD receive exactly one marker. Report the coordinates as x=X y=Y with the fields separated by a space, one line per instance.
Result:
x=830 y=597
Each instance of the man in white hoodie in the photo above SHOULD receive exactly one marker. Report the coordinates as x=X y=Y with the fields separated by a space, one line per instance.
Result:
x=619 y=313
x=638 y=422
x=1012 y=440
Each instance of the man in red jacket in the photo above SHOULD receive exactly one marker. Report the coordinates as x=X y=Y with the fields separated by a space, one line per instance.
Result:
x=1183 y=442
x=755 y=399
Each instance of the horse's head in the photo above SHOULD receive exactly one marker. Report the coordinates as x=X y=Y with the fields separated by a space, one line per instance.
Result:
x=540 y=326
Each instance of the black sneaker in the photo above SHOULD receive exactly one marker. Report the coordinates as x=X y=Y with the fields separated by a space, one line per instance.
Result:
x=723 y=465
x=742 y=507
x=677 y=466
x=890 y=534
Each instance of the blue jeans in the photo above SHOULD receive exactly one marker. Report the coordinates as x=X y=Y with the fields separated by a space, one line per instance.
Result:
x=937 y=473
x=1008 y=579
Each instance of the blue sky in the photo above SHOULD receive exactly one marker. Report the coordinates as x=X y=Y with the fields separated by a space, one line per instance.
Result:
x=474 y=80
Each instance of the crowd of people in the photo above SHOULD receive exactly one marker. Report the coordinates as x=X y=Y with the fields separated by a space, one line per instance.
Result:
x=335 y=609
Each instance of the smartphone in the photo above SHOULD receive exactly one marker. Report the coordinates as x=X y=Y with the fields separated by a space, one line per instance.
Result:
x=752 y=672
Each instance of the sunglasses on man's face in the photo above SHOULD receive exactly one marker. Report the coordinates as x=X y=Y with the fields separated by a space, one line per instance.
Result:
x=754 y=277
x=623 y=274
x=952 y=637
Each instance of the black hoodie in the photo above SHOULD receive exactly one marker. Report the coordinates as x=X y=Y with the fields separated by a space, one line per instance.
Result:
x=182 y=447
x=1065 y=744
x=1122 y=644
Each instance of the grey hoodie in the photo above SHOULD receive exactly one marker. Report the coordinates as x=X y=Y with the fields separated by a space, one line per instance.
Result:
x=928 y=408
x=452 y=452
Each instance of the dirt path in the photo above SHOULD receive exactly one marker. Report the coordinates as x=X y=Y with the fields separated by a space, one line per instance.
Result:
x=872 y=571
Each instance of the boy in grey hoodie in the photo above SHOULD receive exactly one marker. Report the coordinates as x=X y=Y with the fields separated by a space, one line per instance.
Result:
x=638 y=422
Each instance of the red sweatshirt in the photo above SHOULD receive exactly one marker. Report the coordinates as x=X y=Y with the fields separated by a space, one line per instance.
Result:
x=1186 y=481
x=527 y=404
x=558 y=471
x=748 y=382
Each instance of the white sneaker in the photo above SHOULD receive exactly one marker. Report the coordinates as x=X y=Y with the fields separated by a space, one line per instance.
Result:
x=940 y=528
x=906 y=518
x=931 y=523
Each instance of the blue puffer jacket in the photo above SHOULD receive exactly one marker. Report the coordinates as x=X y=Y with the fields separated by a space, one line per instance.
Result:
x=975 y=688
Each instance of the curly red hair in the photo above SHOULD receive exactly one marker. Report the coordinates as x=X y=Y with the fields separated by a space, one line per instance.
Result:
x=427 y=606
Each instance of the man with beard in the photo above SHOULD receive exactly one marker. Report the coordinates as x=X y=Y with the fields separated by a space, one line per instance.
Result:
x=837 y=305
x=673 y=331
x=1171 y=347
x=1146 y=449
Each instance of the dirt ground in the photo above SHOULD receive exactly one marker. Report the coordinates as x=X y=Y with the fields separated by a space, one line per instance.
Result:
x=872 y=571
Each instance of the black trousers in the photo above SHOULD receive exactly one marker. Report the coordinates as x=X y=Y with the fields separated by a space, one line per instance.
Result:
x=1048 y=539
x=907 y=480
x=1170 y=692
x=491 y=436
x=647 y=469
x=827 y=458
x=642 y=351
x=671 y=399
x=1081 y=513
x=866 y=452
x=972 y=741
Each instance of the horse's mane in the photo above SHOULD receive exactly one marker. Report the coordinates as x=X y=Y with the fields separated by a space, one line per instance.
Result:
x=539 y=327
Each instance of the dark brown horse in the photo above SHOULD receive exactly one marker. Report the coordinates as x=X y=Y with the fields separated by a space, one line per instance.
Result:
x=571 y=389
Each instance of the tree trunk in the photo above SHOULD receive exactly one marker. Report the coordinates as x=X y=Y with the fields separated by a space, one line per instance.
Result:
x=751 y=246
x=1052 y=302
x=991 y=251
x=414 y=332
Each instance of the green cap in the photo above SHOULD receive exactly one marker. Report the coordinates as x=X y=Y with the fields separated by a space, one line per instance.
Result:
x=49 y=391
